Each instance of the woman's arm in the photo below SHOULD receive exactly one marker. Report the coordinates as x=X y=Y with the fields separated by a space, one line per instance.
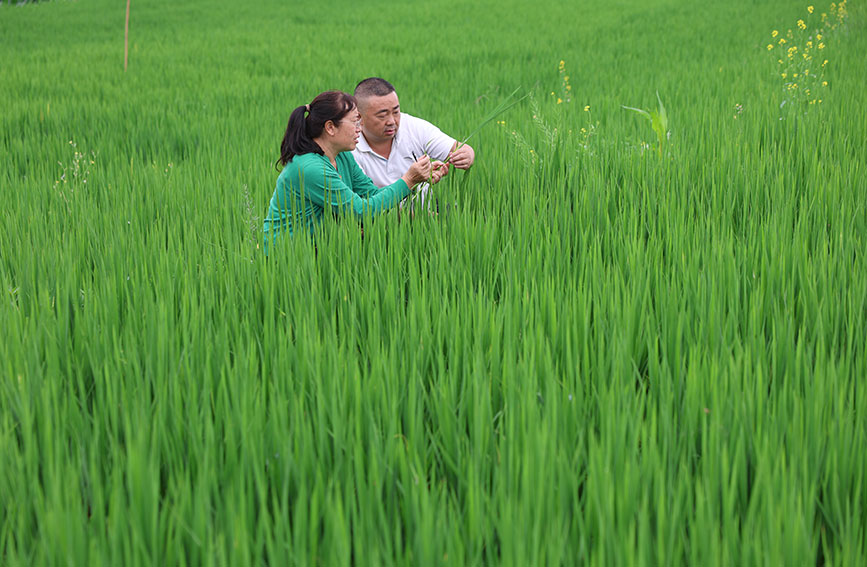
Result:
x=324 y=186
x=418 y=172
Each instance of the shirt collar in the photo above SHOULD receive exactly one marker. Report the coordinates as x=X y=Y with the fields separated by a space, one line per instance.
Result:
x=362 y=144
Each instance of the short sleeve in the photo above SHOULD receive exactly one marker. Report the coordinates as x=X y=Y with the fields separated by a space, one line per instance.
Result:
x=430 y=138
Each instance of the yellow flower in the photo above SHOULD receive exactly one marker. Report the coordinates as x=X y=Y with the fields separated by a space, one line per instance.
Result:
x=782 y=41
x=820 y=101
x=824 y=83
x=810 y=9
x=809 y=44
x=566 y=78
x=821 y=46
x=562 y=63
x=795 y=75
x=825 y=62
x=784 y=75
x=587 y=108
x=802 y=25
x=559 y=100
x=568 y=87
x=774 y=33
x=819 y=36
x=770 y=47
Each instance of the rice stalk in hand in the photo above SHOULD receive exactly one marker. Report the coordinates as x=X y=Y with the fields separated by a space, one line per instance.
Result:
x=505 y=105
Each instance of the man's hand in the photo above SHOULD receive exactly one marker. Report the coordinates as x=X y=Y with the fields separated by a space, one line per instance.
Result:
x=438 y=170
x=462 y=157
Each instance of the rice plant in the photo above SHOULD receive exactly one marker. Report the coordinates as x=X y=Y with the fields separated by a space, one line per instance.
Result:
x=593 y=356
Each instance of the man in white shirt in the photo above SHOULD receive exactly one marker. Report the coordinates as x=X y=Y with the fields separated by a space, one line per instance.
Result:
x=392 y=140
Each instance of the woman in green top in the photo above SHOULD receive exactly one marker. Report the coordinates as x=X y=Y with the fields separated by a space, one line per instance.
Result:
x=319 y=173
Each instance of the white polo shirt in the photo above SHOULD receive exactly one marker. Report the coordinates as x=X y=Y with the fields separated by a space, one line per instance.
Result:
x=414 y=135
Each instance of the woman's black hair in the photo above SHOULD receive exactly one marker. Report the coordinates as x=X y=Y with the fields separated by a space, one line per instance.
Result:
x=308 y=121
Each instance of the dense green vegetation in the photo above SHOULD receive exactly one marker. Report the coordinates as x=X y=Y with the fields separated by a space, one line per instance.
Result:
x=596 y=353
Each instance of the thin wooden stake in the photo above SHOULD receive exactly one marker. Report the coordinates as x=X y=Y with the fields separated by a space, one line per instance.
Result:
x=126 y=38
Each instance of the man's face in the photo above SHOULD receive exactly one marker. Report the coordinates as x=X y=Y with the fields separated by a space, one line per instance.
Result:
x=380 y=117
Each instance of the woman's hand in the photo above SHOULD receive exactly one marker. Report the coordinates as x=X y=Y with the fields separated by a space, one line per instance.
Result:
x=439 y=170
x=418 y=172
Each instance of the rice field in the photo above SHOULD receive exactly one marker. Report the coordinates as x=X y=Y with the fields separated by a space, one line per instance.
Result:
x=608 y=348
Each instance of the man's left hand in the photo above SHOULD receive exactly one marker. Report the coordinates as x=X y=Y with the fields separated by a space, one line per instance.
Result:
x=463 y=157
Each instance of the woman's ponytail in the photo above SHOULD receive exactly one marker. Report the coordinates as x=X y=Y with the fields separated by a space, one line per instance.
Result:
x=296 y=140
x=308 y=121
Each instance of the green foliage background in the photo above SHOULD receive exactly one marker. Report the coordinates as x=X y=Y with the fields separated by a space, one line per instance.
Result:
x=598 y=355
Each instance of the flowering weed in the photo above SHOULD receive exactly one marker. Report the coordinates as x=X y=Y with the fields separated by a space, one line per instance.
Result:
x=75 y=173
x=560 y=137
x=801 y=55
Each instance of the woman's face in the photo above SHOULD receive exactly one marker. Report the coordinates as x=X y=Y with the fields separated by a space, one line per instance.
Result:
x=348 y=130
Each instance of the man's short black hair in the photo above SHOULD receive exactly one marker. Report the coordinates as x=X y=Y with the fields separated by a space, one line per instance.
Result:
x=373 y=86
